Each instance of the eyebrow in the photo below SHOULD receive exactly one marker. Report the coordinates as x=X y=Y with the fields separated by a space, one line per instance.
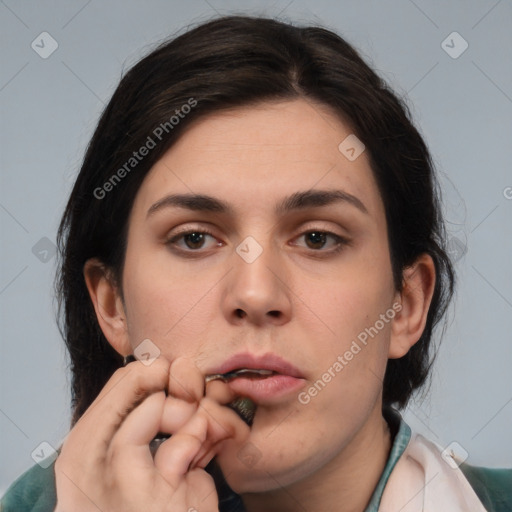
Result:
x=195 y=202
x=316 y=198
x=297 y=201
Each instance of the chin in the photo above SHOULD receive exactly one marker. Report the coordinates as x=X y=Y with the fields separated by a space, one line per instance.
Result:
x=249 y=471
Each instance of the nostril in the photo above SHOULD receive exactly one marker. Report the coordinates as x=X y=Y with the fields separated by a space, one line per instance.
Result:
x=240 y=313
x=274 y=313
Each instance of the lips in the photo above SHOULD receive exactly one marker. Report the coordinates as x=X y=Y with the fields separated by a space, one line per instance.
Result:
x=267 y=390
x=265 y=362
x=284 y=379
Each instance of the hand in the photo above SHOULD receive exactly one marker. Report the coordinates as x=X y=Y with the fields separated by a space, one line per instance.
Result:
x=106 y=464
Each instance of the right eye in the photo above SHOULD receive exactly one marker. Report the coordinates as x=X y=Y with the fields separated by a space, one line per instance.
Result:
x=192 y=240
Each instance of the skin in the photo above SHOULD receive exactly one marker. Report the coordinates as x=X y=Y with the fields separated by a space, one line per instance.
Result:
x=300 y=299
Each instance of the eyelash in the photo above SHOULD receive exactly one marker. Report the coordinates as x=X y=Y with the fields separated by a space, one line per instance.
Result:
x=341 y=242
x=172 y=241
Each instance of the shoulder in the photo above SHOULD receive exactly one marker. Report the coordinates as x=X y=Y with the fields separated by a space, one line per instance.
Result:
x=33 y=491
x=493 y=486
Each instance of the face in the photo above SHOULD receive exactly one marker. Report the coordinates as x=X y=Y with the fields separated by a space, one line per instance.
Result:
x=287 y=256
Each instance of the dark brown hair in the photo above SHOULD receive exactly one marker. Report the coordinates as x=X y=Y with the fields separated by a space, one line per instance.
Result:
x=225 y=63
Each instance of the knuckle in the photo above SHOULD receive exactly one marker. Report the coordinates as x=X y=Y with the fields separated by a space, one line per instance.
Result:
x=145 y=378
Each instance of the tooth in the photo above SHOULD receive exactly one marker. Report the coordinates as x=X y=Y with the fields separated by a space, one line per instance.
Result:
x=253 y=370
x=235 y=373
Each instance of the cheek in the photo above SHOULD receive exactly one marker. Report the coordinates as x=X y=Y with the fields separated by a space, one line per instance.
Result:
x=350 y=300
x=350 y=357
x=171 y=305
x=162 y=305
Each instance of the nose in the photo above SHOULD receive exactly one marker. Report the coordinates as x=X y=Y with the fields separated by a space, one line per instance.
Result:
x=256 y=289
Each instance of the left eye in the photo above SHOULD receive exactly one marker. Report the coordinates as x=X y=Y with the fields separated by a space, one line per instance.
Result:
x=320 y=239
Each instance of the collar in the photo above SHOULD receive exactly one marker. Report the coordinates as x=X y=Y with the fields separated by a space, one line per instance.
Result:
x=401 y=434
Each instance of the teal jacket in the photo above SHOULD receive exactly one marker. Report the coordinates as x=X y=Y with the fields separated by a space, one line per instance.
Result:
x=34 y=491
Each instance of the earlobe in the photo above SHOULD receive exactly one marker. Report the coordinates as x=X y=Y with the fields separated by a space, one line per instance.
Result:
x=415 y=299
x=107 y=304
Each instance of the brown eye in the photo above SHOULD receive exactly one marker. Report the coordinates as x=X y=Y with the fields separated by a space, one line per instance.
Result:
x=194 y=240
x=321 y=242
x=316 y=239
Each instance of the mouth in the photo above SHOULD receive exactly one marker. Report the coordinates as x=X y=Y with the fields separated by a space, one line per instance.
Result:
x=250 y=373
x=261 y=365
x=265 y=379
x=265 y=390
x=254 y=387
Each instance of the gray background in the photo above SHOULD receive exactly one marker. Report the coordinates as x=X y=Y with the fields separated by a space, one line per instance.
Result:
x=463 y=106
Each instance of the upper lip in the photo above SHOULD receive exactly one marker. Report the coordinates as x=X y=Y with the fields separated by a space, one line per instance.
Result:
x=267 y=361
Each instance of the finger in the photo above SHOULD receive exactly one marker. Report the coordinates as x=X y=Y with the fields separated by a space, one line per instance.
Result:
x=201 y=461
x=141 y=425
x=220 y=392
x=127 y=387
x=223 y=423
x=185 y=380
x=176 y=413
x=174 y=456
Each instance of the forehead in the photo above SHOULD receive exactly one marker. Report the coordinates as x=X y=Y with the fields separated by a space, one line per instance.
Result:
x=252 y=156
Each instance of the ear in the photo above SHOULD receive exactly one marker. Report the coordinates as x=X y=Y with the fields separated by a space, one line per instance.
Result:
x=108 y=305
x=414 y=298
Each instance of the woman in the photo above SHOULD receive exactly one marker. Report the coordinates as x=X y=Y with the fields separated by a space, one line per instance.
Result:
x=256 y=219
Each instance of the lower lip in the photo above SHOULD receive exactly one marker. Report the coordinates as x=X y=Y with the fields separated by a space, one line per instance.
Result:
x=264 y=390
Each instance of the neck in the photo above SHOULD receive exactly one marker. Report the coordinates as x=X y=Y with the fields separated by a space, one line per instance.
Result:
x=345 y=484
